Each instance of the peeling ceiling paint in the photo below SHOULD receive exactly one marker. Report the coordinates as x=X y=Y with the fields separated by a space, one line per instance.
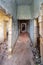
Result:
x=18 y=2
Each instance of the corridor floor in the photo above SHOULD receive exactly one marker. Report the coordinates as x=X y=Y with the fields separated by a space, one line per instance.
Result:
x=22 y=54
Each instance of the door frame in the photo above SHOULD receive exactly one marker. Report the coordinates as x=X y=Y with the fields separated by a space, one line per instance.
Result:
x=25 y=27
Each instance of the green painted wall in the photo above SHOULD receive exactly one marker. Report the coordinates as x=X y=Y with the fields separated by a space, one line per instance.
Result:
x=32 y=9
x=24 y=12
x=36 y=8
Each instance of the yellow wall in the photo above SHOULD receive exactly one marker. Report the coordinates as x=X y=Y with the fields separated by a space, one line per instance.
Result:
x=4 y=19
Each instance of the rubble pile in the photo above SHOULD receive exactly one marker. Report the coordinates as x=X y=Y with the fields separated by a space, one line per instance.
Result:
x=3 y=49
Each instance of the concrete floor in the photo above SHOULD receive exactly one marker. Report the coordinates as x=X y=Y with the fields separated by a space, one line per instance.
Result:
x=22 y=54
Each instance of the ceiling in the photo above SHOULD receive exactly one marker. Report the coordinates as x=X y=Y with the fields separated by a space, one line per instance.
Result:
x=24 y=2
x=19 y=2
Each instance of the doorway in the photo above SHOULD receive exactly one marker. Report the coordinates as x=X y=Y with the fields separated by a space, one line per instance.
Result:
x=23 y=26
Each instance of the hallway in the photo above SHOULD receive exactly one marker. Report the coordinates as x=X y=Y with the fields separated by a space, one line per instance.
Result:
x=16 y=18
x=22 y=54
